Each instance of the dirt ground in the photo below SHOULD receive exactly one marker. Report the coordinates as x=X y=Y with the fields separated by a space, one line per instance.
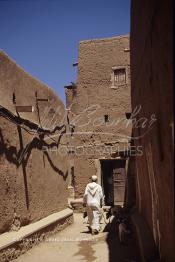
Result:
x=75 y=243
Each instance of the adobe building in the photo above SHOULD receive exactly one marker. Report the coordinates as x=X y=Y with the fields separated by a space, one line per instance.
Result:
x=98 y=110
x=152 y=88
x=33 y=177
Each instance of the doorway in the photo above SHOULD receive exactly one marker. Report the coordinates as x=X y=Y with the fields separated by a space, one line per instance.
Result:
x=113 y=177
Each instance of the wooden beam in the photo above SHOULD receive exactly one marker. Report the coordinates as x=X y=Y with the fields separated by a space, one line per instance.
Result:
x=43 y=99
x=25 y=109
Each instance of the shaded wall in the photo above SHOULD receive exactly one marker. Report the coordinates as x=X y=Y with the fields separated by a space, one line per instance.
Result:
x=32 y=173
x=152 y=88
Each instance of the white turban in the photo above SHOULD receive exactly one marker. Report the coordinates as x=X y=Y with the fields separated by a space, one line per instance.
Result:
x=94 y=178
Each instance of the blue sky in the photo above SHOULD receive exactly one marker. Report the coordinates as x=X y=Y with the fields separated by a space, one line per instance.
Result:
x=42 y=35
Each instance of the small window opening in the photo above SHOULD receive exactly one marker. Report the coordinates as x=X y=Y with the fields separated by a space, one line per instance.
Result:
x=128 y=115
x=119 y=76
x=106 y=118
x=72 y=177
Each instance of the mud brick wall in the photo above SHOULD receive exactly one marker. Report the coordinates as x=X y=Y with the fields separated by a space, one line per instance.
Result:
x=96 y=96
x=35 y=185
x=152 y=88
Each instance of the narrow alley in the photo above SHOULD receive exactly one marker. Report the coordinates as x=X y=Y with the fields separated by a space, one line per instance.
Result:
x=96 y=146
x=76 y=244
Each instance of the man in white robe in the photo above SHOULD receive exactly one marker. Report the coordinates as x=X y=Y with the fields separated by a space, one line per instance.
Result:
x=93 y=200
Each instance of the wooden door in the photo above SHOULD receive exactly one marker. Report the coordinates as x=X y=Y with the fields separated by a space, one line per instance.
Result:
x=119 y=177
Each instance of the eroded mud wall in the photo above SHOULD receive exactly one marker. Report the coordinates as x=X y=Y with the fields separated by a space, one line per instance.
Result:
x=98 y=106
x=33 y=175
x=152 y=88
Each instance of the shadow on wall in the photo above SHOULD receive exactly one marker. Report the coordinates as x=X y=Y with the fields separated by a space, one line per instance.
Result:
x=130 y=189
x=20 y=157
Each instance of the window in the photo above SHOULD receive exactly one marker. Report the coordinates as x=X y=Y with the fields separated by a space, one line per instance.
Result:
x=128 y=115
x=119 y=76
x=72 y=177
x=106 y=118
